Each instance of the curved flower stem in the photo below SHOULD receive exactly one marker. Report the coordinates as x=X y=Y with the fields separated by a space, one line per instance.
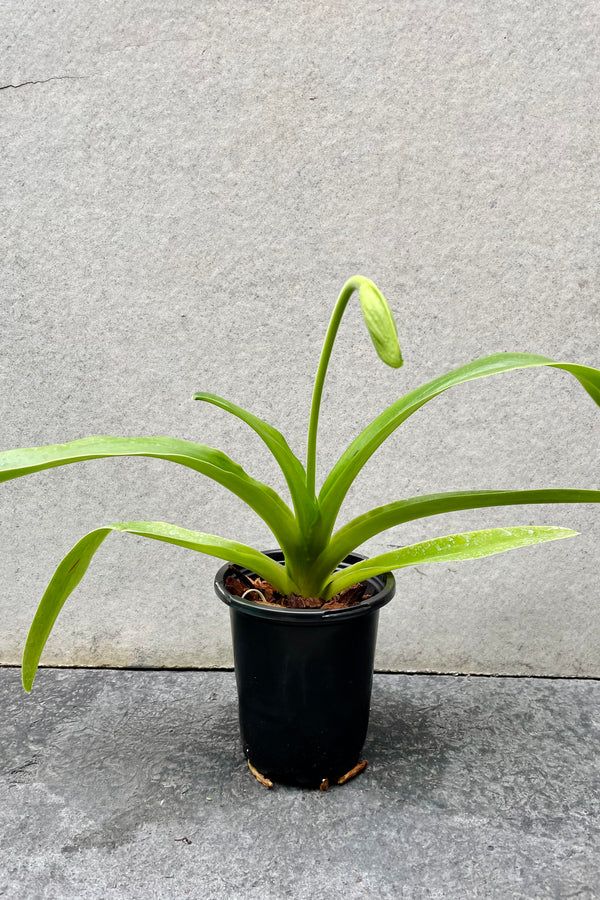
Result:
x=311 y=457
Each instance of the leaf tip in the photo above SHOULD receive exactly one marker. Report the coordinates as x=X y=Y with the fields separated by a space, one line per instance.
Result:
x=27 y=679
x=559 y=530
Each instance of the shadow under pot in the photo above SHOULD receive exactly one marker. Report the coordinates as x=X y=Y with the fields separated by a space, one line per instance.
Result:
x=304 y=680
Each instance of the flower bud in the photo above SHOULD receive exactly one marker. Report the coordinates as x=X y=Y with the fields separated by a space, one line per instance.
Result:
x=380 y=322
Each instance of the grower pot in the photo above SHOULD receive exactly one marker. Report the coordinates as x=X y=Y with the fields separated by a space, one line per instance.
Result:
x=304 y=680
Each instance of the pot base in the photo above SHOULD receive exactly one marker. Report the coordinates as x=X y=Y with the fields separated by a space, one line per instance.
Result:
x=324 y=784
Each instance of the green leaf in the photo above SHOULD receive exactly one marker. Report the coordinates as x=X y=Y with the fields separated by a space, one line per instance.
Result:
x=362 y=447
x=210 y=462
x=470 y=545
x=289 y=463
x=380 y=323
x=371 y=523
x=75 y=564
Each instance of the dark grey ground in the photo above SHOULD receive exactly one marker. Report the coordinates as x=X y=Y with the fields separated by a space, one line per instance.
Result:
x=132 y=784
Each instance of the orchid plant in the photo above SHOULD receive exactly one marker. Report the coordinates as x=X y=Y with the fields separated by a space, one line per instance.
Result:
x=305 y=531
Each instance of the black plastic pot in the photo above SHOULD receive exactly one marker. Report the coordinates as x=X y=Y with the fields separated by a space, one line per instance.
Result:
x=304 y=681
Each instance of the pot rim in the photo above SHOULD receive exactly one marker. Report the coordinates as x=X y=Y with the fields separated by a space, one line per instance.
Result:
x=384 y=586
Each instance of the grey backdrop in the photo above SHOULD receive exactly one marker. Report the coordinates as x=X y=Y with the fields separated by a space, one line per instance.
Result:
x=185 y=188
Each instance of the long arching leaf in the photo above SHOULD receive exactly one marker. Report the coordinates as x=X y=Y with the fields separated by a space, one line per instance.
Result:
x=289 y=463
x=470 y=545
x=210 y=462
x=371 y=523
x=75 y=564
x=366 y=443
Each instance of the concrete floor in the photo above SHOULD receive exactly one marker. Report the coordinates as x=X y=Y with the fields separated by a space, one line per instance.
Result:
x=131 y=784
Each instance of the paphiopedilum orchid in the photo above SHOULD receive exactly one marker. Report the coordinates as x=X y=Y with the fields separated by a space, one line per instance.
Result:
x=305 y=531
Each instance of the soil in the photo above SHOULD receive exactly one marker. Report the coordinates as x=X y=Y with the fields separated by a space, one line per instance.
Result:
x=265 y=594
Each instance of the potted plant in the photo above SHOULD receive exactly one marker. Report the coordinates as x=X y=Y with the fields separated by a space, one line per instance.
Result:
x=304 y=616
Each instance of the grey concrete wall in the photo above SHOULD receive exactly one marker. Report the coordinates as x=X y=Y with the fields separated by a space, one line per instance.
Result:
x=185 y=188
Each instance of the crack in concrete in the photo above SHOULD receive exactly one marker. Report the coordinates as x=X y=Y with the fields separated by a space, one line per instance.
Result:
x=21 y=84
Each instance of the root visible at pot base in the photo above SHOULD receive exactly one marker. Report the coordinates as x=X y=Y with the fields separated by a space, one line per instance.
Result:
x=265 y=781
x=359 y=767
